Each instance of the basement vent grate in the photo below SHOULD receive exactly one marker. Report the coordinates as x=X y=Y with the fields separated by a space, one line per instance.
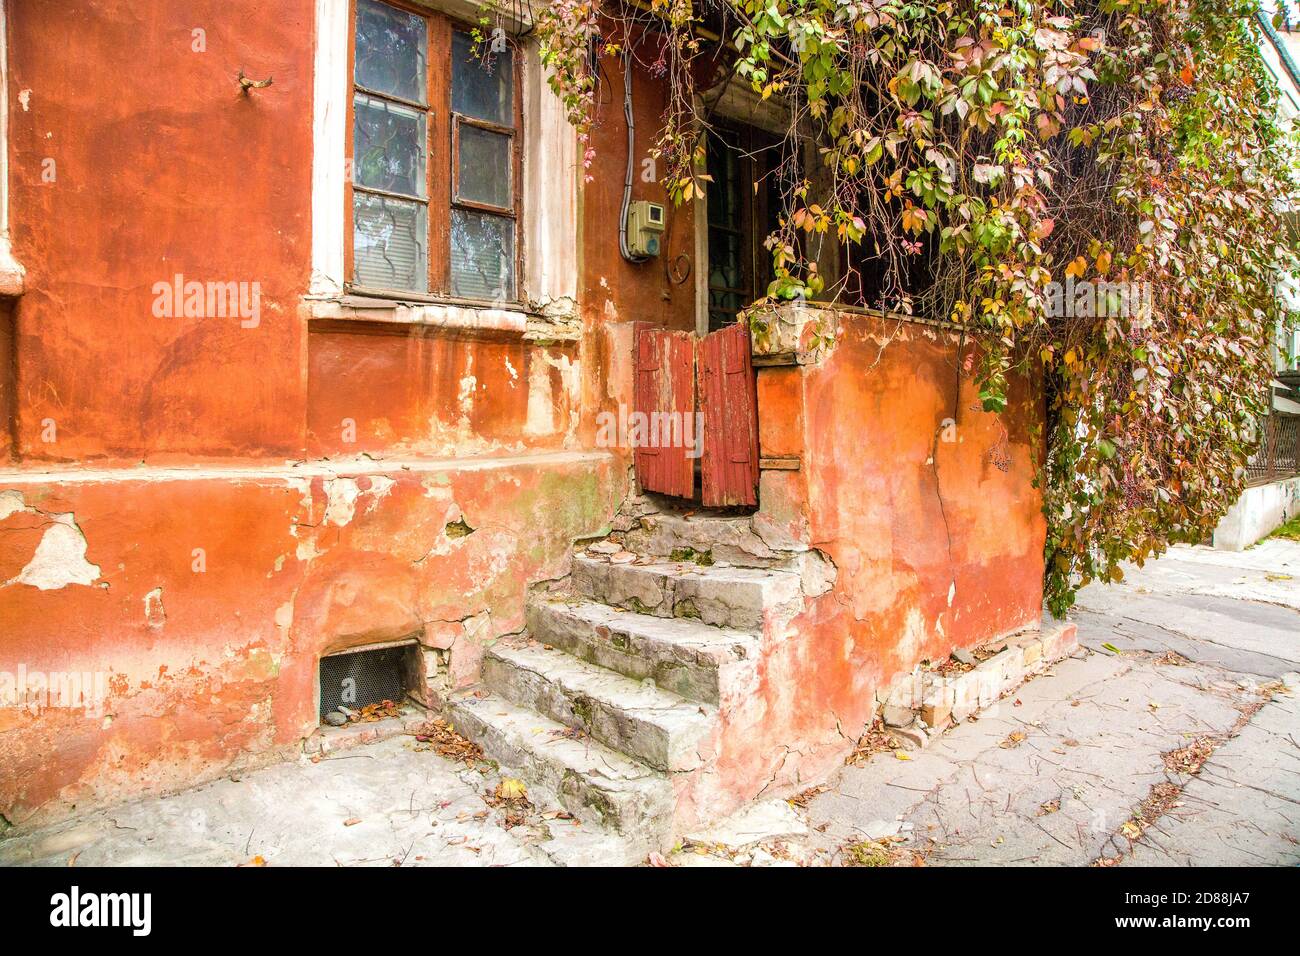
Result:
x=359 y=678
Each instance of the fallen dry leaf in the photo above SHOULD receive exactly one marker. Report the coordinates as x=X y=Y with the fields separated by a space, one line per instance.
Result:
x=511 y=789
x=441 y=737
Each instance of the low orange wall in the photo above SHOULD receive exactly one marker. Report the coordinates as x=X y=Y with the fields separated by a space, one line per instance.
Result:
x=203 y=601
x=924 y=503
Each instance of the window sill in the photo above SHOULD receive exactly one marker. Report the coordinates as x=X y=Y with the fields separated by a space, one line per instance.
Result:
x=450 y=314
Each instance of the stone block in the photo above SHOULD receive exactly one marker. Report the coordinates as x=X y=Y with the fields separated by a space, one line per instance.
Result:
x=937 y=714
x=989 y=677
x=1013 y=668
x=907 y=690
x=1032 y=651
x=1059 y=641
x=898 y=716
x=911 y=738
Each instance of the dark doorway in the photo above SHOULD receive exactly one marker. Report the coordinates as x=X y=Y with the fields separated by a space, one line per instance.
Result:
x=744 y=200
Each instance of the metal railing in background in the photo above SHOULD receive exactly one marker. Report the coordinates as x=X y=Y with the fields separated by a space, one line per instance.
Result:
x=1278 y=455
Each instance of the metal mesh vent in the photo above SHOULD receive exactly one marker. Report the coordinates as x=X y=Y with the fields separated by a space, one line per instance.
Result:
x=365 y=677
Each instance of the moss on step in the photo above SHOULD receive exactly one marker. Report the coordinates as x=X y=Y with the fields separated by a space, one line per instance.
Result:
x=637 y=606
x=686 y=608
x=703 y=558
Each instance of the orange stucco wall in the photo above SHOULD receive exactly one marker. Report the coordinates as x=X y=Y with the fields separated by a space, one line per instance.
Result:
x=208 y=597
x=159 y=168
x=925 y=505
x=614 y=293
x=935 y=528
x=197 y=508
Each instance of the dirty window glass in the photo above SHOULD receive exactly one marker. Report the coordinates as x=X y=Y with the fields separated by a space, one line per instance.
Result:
x=482 y=256
x=483 y=233
x=390 y=243
x=485 y=169
x=388 y=146
x=422 y=90
x=482 y=86
x=391 y=51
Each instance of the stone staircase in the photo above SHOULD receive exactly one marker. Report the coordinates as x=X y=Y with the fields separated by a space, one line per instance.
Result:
x=618 y=700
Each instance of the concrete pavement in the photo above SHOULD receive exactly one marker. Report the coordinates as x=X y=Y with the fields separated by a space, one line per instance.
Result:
x=1087 y=764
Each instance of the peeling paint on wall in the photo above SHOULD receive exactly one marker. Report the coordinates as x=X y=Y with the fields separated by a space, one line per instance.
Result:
x=60 y=556
x=155 y=614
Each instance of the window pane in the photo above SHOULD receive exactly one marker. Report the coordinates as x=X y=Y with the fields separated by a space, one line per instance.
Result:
x=485 y=167
x=724 y=192
x=390 y=243
x=389 y=143
x=482 y=256
x=482 y=87
x=391 y=55
x=726 y=270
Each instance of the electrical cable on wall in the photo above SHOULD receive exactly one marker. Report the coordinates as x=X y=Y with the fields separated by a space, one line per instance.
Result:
x=623 y=247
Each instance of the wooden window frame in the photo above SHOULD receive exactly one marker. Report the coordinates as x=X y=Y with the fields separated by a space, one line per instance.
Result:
x=441 y=170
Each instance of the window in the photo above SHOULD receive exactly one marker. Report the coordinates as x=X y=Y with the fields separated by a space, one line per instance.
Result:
x=436 y=159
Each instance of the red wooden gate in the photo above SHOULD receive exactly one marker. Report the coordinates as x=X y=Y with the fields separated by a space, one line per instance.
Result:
x=729 y=397
x=666 y=400
x=664 y=391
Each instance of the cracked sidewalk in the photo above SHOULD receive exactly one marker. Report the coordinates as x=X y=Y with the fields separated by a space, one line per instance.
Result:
x=1059 y=772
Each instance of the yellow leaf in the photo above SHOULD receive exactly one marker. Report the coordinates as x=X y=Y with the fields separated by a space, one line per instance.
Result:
x=511 y=789
x=1078 y=268
x=902 y=756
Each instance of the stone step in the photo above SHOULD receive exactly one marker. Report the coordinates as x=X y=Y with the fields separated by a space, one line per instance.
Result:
x=680 y=655
x=724 y=596
x=731 y=539
x=595 y=784
x=659 y=728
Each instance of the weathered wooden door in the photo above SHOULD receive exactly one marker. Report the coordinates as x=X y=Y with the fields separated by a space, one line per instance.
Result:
x=729 y=396
x=664 y=394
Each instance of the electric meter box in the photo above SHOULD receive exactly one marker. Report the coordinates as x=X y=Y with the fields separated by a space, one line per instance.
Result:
x=645 y=228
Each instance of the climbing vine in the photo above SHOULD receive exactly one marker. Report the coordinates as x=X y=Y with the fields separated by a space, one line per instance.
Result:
x=1090 y=189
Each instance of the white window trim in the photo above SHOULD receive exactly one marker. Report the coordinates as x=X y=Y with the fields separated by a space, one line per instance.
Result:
x=551 y=161
x=12 y=274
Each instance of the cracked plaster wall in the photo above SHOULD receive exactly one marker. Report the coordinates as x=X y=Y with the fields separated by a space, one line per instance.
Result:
x=206 y=602
x=925 y=506
x=170 y=550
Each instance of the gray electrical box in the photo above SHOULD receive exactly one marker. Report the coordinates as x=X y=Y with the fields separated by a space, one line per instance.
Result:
x=645 y=228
